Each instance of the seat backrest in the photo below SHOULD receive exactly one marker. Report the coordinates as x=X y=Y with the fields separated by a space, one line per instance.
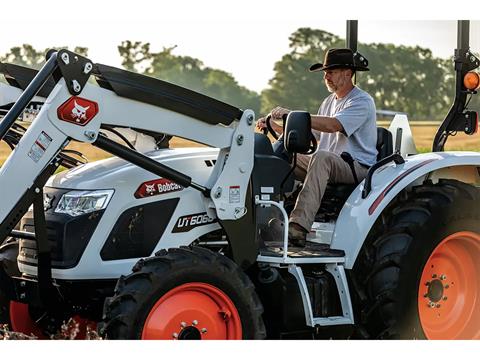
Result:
x=262 y=146
x=384 y=143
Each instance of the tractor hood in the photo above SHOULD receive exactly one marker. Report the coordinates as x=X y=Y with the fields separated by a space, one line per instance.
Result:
x=115 y=173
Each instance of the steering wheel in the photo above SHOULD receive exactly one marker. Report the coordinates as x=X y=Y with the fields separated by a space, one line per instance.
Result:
x=269 y=128
x=313 y=141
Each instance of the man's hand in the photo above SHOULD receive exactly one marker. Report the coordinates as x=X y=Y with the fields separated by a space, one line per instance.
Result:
x=278 y=112
x=262 y=124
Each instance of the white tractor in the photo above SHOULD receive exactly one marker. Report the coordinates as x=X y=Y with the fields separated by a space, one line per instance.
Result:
x=174 y=243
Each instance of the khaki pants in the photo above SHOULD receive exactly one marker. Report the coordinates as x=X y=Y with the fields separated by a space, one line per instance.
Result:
x=318 y=170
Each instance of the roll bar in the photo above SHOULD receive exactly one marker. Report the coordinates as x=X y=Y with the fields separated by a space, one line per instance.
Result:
x=458 y=118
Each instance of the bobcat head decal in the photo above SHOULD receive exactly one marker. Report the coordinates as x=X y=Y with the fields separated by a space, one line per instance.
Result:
x=150 y=189
x=79 y=112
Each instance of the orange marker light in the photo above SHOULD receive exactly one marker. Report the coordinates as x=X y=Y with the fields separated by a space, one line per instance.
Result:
x=471 y=80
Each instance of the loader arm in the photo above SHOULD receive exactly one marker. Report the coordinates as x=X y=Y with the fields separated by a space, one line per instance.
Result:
x=76 y=109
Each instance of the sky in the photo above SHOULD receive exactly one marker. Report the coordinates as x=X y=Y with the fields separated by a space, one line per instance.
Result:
x=244 y=38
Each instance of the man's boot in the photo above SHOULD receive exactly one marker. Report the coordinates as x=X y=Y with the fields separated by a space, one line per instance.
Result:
x=297 y=235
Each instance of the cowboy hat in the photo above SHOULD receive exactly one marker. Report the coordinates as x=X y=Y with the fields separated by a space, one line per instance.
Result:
x=342 y=58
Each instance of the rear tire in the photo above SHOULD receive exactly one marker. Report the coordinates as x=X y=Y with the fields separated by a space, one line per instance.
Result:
x=184 y=294
x=418 y=273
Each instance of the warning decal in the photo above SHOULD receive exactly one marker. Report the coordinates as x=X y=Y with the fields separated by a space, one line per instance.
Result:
x=39 y=146
x=234 y=194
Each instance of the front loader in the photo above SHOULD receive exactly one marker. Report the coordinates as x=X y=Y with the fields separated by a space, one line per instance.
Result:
x=175 y=243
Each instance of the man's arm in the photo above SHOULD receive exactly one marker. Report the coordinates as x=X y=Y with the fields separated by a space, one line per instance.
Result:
x=326 y=124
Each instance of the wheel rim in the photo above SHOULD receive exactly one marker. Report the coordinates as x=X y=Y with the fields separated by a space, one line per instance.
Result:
x=449 y=290
x=193 y=311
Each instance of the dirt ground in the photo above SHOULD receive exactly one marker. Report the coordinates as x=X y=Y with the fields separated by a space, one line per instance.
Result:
x=423 y=136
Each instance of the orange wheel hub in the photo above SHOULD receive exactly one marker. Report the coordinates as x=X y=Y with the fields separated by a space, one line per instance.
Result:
x=193 y=311
x=449 y=290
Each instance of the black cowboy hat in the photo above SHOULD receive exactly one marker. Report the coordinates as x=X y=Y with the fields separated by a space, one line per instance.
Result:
x=342 y=58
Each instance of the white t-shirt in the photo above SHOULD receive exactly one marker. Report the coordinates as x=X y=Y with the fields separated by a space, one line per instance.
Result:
x=356 y=112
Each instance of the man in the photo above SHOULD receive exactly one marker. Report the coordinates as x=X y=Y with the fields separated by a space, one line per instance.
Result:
x=346 y=121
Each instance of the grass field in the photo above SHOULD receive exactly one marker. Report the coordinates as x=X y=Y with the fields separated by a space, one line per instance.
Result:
x=423 y=136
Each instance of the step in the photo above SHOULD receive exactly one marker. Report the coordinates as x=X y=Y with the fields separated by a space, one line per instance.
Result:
x=273 y=252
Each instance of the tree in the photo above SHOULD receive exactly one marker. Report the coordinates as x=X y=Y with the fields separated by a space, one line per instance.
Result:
x=408 y=79
x=292 y=86
x=27 y=55
x=401 y=78
x=187 y=72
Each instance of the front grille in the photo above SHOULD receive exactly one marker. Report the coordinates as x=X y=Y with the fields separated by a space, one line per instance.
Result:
x=67 y=236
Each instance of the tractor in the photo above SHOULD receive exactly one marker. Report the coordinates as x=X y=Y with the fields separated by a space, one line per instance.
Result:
x=175 y=244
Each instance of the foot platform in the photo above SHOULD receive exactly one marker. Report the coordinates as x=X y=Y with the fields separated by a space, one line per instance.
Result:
x=275 y=249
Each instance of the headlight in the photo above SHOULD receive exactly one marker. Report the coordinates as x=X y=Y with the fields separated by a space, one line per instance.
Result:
x=75 y=203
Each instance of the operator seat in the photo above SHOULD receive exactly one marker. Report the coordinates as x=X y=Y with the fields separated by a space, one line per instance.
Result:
x=384 y=143
x=337 y=194
x=270 y=171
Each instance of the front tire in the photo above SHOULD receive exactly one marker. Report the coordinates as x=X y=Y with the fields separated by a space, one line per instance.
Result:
x=184 y=294
x=419 y=271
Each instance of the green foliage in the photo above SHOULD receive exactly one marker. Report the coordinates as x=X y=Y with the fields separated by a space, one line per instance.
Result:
x=408 y=79
x=292 y=85
x=401 y=78
x=187 y=72
x=27 y=55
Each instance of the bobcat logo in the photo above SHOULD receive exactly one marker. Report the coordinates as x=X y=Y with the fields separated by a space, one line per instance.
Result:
x=47 y=201
x=156 y=187
x=79 y=112
x=150 y=189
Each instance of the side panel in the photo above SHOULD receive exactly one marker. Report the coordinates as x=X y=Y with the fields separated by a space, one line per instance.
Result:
x=358 y=215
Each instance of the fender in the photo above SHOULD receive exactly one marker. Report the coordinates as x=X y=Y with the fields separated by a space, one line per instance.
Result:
x=359 y=215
